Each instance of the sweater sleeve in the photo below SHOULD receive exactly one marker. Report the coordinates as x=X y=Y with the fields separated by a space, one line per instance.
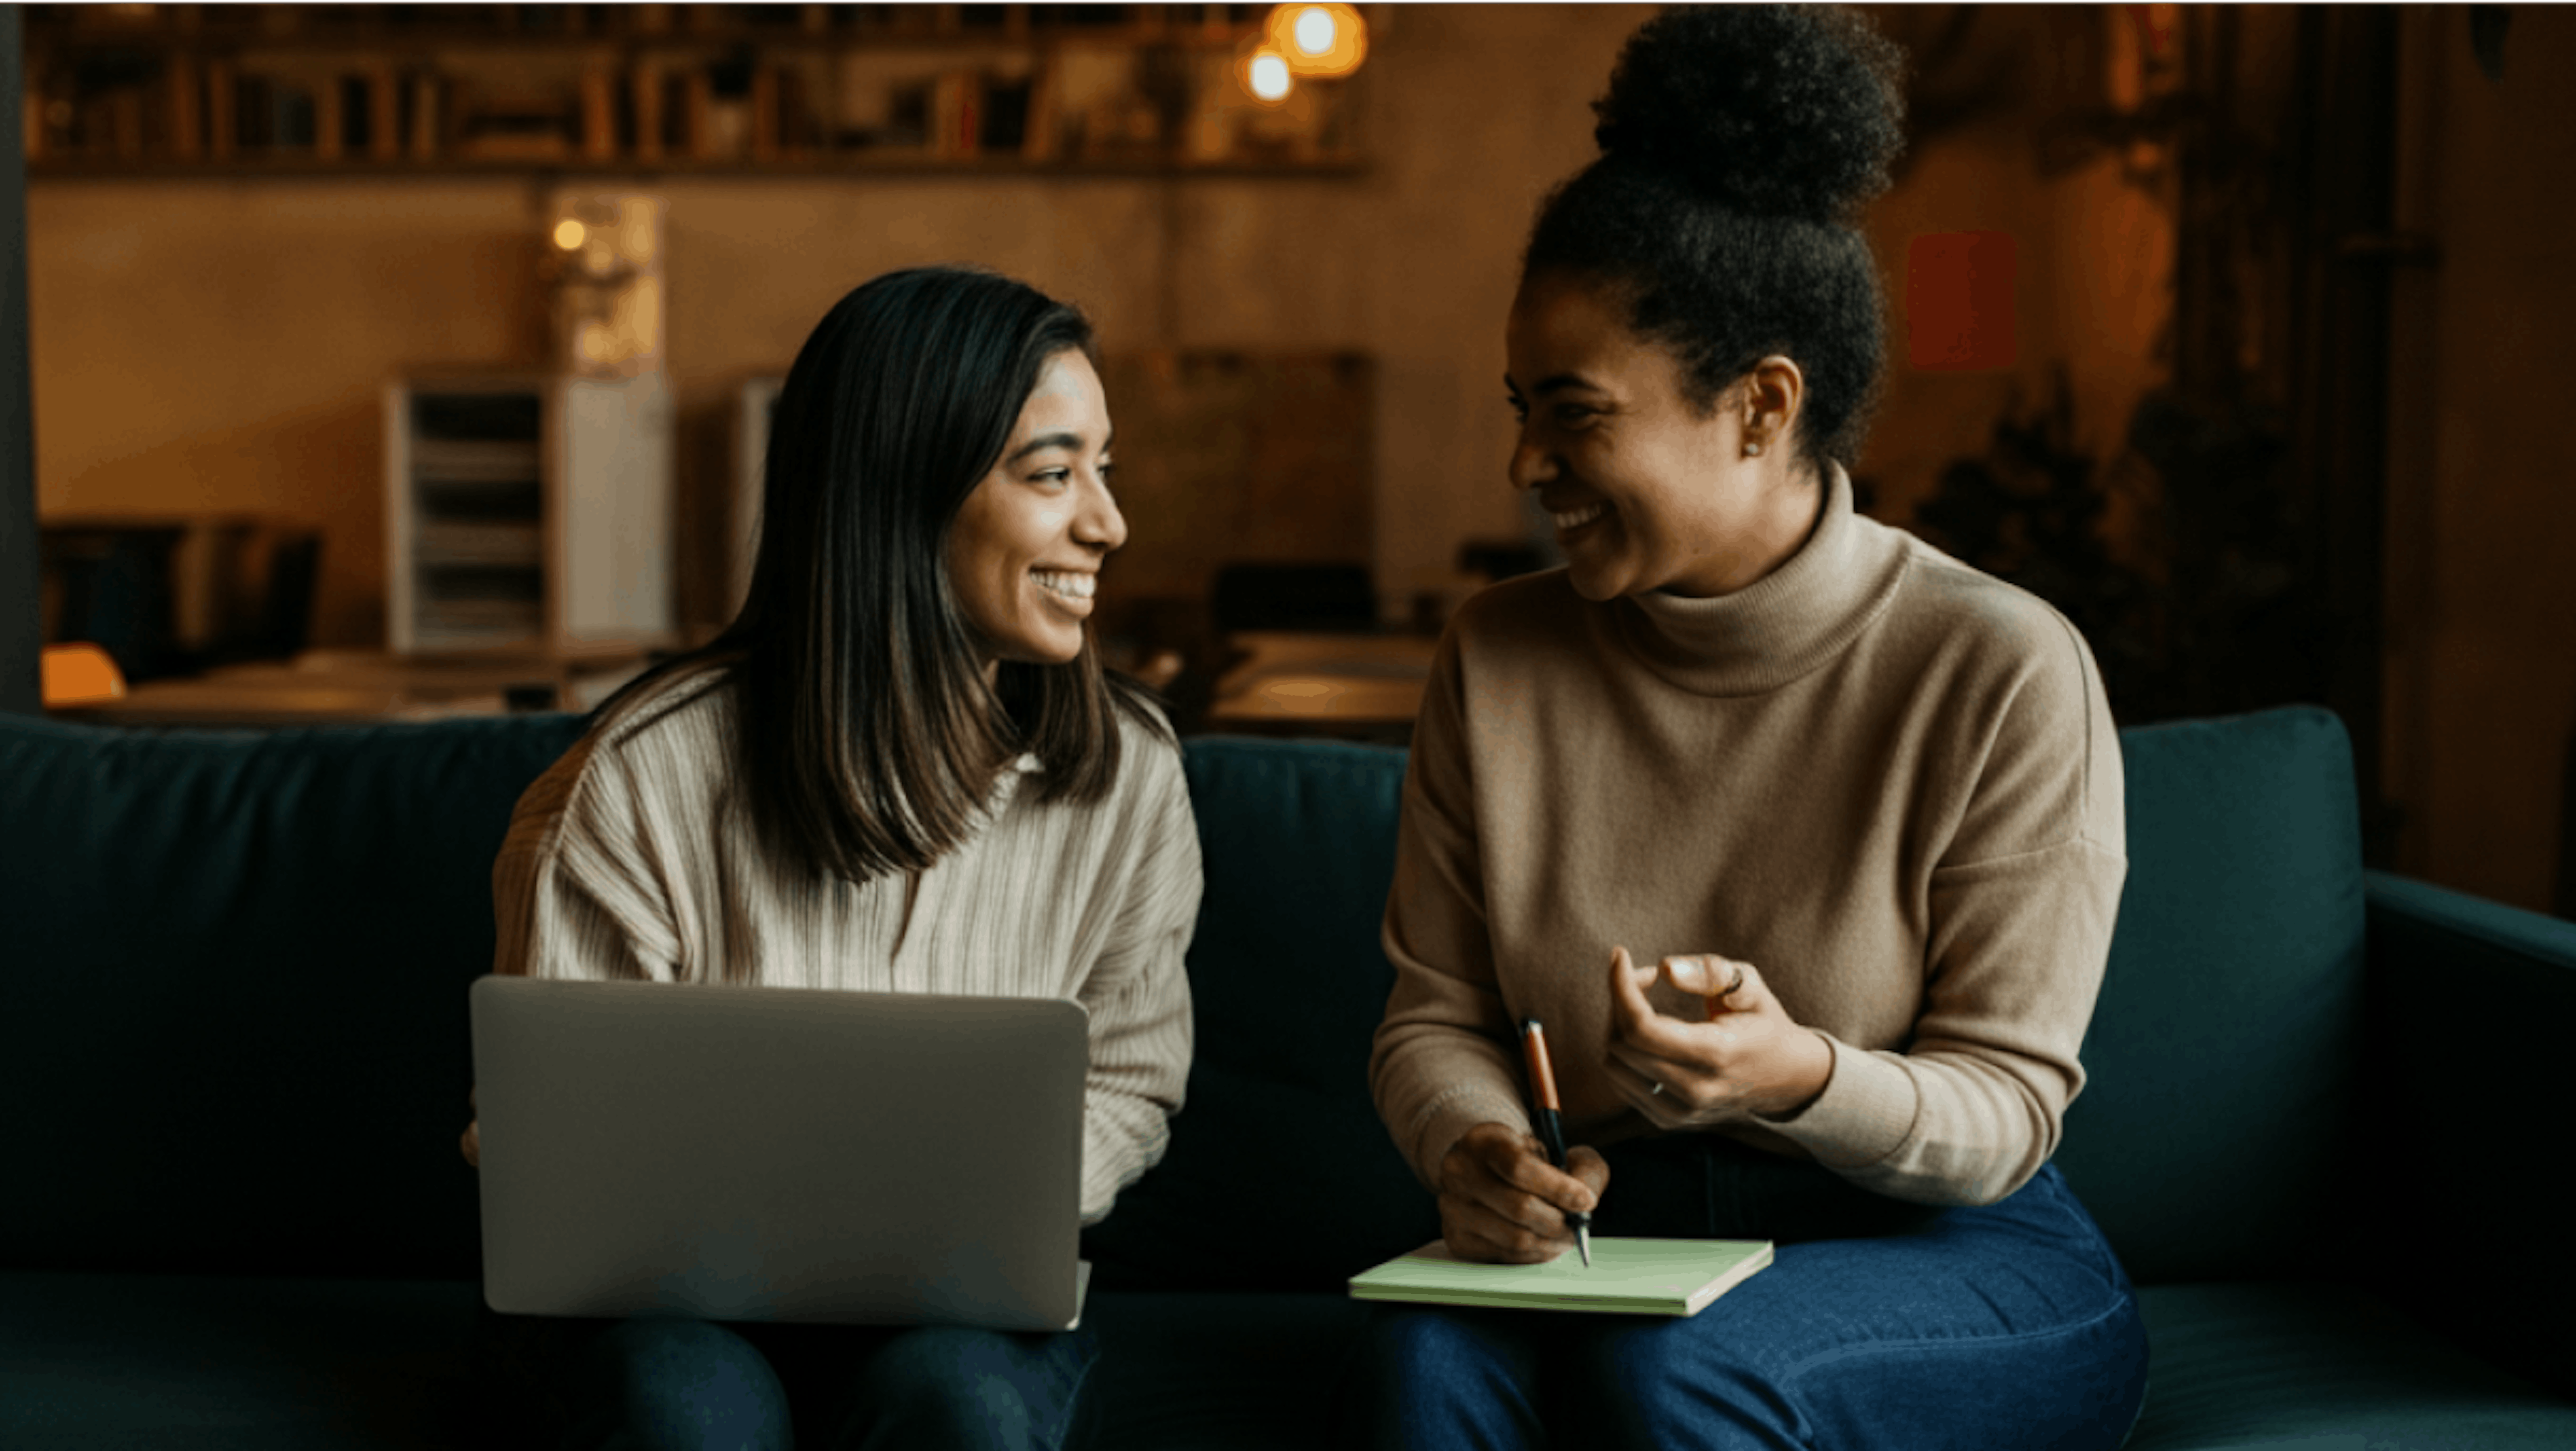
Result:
x=1138 y=991
x=574 y=891
x=2022 y=903
x=1439 y=1065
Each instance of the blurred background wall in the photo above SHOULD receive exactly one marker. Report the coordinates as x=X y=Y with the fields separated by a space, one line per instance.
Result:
x=217 y=343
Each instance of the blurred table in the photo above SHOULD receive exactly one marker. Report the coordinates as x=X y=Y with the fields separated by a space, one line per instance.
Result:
x=340 y=687
x=1355 y=686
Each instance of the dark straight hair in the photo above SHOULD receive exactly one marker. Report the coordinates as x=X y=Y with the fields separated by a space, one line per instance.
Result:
x=868 y=740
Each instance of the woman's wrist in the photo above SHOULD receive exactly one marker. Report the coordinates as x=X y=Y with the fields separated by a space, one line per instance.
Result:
x=1807 y=1082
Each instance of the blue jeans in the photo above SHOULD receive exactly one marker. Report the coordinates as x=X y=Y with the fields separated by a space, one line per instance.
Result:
x=1878 y=1324
x=651 y=1384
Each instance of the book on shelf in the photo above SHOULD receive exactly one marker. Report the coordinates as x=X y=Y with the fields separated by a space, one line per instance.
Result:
x=426 y=116
x=1004 y=127
x=697 y=114
x=956 y=114
x=598 y=114
x=800 y=118
x=187 y=111
x=475 y=460
x=644 y=91
x=1040 y=136
x=446 y=541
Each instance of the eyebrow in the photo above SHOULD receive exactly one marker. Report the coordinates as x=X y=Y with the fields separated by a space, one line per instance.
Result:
x=1045 y=441
x=1555 y=382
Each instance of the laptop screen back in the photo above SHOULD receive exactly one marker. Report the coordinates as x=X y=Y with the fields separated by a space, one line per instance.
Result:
x=780 y=1154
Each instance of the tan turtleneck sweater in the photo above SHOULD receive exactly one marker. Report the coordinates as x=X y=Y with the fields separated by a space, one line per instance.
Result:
x=1885 y=779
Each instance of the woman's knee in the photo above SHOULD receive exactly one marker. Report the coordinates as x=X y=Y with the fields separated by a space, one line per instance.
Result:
x=674 y=1385
x=1429 y=1347
x=967 y=1388
x=1436 y=1378
x=1674 y=1384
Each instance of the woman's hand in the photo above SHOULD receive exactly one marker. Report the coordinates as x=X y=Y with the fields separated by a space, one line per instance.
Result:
x=1501 y=1201
x=1749 y=1058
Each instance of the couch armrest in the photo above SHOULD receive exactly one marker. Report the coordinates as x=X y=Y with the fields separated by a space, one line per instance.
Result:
x=2472 y=1033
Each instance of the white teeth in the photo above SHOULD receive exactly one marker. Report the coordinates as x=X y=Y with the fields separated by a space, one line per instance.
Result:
x=1069 y=583
x=1577 y=518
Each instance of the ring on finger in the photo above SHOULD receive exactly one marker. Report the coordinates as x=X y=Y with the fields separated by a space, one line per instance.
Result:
x=1734 y=984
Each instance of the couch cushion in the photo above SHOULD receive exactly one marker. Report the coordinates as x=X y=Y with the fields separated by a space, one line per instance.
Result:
x=2223 y=1054
x=1229 y=1372
x=232 y=1018
x=210 y=1363
x=1279 y=1173
x=2324 y=1368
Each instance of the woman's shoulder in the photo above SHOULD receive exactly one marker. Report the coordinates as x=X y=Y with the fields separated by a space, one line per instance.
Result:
x=1993 y=623
x=1149 y=751
x=2016 y=671
x=671 y=738
x=695 y=701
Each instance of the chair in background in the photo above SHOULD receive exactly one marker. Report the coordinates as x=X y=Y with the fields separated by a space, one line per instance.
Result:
x=171 y=597
x=109 y=584
x=80 y=673
x=270 y=601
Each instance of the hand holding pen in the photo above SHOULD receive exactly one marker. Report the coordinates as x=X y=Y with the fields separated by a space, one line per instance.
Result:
x=1503 y=1201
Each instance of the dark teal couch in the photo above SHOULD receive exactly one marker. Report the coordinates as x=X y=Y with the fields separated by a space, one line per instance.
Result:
x=2324 y=1111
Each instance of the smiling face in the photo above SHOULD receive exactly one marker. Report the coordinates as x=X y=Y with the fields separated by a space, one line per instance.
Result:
x=1647 y=491
x=1025 y=551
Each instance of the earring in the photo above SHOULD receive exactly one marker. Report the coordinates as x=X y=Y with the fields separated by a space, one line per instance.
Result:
x=1751 y=449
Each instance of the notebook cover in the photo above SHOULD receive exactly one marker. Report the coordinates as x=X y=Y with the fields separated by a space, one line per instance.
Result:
x=1627 y=1276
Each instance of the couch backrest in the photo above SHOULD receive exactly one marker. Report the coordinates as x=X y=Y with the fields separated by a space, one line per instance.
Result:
x=2222 y=1057
x=1279 y=1174
x=232 y=1008
x=2225 y=1051
x=232 y=995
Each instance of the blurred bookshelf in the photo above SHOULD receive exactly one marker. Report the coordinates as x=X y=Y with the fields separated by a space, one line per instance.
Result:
x=123 y=90
x=527 y=511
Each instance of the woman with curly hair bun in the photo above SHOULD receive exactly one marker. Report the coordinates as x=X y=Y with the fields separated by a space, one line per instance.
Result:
x=1803 y=840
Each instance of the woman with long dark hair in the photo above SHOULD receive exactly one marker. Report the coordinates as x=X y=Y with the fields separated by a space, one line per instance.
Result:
x=1802 y=839
x=902 y=769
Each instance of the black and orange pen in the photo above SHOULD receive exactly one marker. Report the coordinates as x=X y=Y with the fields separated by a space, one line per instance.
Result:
x=1551 y=1127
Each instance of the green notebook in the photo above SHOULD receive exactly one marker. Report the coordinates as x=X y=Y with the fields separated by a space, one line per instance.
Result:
x=1628 y=1276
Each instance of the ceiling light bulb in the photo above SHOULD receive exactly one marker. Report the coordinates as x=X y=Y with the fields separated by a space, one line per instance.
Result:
x=1269 y=76
x=570 y=234
x=1326 y=40
x=1315 y=30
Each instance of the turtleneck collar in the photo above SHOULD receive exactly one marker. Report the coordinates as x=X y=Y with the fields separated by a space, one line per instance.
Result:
x=1784 y=624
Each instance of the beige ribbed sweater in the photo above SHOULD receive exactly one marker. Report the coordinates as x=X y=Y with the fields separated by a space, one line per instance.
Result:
x=1885 y=779
x=634 y=857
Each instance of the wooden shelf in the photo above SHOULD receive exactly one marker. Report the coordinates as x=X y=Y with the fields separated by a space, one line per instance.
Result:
x=333 y=91
x=860 y=164
x=369 y=24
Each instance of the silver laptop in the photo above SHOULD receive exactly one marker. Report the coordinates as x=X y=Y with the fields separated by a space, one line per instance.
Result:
x=783 y=1154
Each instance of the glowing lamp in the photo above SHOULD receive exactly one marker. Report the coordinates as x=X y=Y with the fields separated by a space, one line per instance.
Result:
x=570 y=234
x=1266 y=76
x=1323 y=40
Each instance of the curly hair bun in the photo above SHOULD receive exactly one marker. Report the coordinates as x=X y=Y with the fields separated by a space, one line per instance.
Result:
x=1773 y=110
